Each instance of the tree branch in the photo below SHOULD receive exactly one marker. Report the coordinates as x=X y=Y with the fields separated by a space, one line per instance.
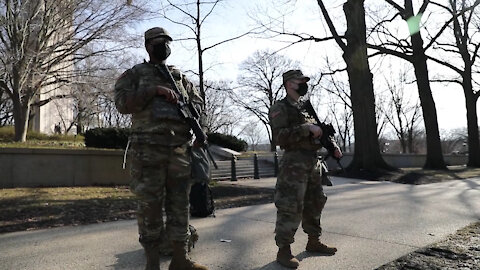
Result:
x=332 y=28
x=382 y=50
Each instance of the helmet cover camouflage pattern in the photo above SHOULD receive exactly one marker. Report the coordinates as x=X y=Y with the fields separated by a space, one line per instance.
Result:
x=156 y=32
x=294 y=74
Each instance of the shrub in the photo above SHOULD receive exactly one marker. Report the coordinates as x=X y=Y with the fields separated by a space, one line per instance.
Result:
x=227 y=141
x=114 y=138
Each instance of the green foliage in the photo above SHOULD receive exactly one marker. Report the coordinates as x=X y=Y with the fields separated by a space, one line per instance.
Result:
x=115 y=138
x=227 y=141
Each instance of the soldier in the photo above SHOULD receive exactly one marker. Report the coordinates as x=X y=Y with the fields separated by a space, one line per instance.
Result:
x=160 y=140
x=299 y=194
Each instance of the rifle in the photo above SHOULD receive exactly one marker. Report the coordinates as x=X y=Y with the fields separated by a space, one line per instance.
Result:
x=189 y=113
x=328 y=132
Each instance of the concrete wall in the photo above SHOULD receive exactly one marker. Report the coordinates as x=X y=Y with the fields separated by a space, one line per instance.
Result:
x=61 y=167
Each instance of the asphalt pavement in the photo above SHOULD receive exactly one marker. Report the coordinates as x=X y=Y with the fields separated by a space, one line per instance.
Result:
x=371 y=223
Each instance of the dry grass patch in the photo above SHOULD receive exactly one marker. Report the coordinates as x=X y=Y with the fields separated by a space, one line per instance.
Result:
x=34 y=208
x=38 y=208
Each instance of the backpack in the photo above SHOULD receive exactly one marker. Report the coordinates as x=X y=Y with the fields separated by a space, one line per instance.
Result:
x=201 y=200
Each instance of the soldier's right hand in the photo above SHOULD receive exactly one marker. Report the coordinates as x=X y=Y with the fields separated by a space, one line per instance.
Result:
x=169 y=94
x=316 y=131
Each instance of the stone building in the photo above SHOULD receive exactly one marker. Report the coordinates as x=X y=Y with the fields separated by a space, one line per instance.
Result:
x=56 y=115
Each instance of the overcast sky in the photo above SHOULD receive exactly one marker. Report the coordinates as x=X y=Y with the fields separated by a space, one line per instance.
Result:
x=235 y=17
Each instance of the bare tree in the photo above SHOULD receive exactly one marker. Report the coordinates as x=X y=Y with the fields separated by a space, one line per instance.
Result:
x=381 y=118
x=335 y=94
x=93 y=91
x=342 y=119
x=399 y=111
x=466 y=24
x=40 y=43
x=253 y=135
x=6 y=109
x=367 y=152
x=414 y=51
x=455 y=141
x=193 y=15
x=221 y=114
x=261 y=84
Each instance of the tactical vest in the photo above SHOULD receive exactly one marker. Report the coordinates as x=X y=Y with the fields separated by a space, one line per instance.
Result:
x=159 y=122
x=296 y=117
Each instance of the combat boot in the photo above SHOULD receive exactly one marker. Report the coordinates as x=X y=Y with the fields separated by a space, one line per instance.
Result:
x=314 y=245
x=152 y=252
x=285 y=257
x=180 y=259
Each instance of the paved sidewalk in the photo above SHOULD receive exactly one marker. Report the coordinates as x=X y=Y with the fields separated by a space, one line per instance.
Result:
x=371 y=223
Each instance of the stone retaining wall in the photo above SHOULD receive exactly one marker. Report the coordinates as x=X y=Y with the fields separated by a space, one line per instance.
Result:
x=20 y=167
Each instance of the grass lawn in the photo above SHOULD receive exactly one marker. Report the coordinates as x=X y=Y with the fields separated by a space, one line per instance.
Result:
x=32 y=208
x=37 y=208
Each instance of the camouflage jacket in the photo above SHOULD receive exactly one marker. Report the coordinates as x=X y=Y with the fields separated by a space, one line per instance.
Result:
x=290 y=126
x=155 y=120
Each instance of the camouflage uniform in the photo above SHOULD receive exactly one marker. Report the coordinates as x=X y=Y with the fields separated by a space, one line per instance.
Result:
x=299 y=194
x=160 y=143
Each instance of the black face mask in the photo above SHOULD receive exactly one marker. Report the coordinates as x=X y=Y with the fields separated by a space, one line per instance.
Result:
x=161 y=51
x=302 y=89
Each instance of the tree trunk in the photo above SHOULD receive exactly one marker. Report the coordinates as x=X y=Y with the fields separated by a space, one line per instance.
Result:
x=367 y=151
x=472 y=124
x=470 y=101
x=20 y=116
x=410 y=142
x=200 y=54
x=79 y=126
x=273 y=142
x=200 y=75
x=434 y=158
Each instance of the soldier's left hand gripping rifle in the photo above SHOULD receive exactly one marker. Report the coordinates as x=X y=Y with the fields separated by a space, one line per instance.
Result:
x=189 y=113
x=327 y=139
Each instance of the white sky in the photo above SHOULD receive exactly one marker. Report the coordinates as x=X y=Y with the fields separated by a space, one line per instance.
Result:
x=235 y=17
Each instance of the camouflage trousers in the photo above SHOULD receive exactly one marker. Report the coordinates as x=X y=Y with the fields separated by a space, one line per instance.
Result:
x=161 y=177
x=299 y=196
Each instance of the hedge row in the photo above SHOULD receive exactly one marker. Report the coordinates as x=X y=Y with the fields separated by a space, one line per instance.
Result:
x=117 y=138
x=227 y=141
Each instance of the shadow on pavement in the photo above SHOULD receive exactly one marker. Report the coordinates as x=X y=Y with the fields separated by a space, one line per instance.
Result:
x=302 y=255
x=272 y=266
x=134 y=260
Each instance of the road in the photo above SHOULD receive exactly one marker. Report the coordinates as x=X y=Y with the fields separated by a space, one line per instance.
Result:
x=371 y=223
